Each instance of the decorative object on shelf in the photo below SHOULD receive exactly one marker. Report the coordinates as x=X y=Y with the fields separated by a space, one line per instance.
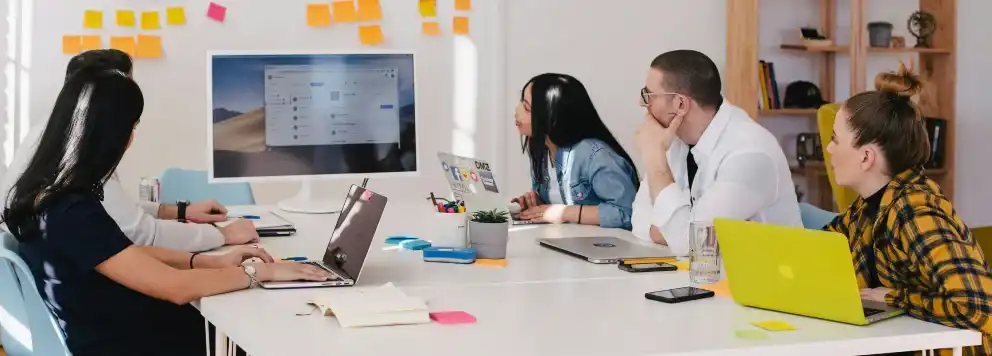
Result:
x=803 y=95
x=898 y=42
x=808 y=148
x=879 y=34
x=937 y=133
x=922 y=25
x=811 y=37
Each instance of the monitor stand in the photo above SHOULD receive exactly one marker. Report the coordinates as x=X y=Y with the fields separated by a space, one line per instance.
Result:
x=305 y=202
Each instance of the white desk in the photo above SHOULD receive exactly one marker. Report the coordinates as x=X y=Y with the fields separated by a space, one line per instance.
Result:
x=543 y=303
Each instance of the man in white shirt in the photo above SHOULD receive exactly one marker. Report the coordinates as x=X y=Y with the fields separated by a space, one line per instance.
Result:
x=145 y=223
x=704 y=158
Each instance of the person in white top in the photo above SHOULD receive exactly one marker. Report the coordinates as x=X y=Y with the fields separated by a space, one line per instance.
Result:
x=144 y=223
x=703 y=157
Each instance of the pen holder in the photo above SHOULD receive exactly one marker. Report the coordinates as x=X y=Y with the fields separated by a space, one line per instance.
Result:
x=450 y=230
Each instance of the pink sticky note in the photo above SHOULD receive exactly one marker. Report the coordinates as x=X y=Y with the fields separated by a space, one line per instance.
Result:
x=452 y=317
x=217 y=12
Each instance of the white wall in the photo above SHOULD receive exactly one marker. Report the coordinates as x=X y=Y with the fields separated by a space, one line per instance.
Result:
x=973 y=190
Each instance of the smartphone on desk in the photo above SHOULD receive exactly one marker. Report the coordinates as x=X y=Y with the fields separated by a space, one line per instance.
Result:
x=679 y=295
x=647 y=267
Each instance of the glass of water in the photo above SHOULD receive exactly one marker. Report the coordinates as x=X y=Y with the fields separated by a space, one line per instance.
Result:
x=704 y=253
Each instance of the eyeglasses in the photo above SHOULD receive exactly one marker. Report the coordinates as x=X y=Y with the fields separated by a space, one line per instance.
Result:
x=647 y=94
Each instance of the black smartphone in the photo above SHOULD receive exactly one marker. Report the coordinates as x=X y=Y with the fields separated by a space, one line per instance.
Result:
x=679 y=295
x=647 y=267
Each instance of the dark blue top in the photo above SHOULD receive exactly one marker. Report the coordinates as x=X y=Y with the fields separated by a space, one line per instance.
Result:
x=99 y=316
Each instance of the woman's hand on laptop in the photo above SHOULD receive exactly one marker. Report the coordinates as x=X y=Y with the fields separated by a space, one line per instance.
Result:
x=237 y=256
x=527 y=201
x=239 y=232
x=288 y=272
x=551 y=213
x=875 y=294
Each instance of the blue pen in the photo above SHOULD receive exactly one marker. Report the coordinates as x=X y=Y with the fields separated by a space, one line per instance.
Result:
x=297 y=259
x=249 y=217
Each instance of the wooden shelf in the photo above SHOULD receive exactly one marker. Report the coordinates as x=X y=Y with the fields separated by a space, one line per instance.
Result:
x=845 y=49
x=787 y=112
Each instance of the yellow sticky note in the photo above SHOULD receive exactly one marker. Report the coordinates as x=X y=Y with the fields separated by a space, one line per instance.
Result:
x=371 y=35
x=463 y=5
x=721 y=288
x=431 y=28
x=149 y=46
x=72 y=45
x=750 y=334
x=774 y=325
x=123 y=43
x=93 y=19
x=344 y=11
x=175 y=16
x=369 y=10
x=490 y=263
x=91 y=42
x=460 y=25
x=428 y=8
x=125 y=18
x=150 y=20
x=318 y=15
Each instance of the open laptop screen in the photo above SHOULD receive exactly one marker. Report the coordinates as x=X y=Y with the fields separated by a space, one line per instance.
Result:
x=354 y=231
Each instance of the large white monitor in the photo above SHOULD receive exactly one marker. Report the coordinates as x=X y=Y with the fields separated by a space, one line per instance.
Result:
x=303 y=116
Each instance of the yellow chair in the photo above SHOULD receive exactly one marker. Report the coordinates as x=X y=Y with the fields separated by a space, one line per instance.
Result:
x=983 y=236
x=843 y=197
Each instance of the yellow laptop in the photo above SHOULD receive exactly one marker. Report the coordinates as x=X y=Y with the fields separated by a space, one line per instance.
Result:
x=796 y=271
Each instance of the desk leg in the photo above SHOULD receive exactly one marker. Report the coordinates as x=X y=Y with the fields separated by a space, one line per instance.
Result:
x=958 y=351
x=220 y=344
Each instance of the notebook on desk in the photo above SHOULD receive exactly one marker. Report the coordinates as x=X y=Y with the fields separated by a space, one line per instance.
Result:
x=267 y=223
x=378 y=306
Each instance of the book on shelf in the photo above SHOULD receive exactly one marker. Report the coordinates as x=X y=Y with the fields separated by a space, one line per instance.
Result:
x=768 y=86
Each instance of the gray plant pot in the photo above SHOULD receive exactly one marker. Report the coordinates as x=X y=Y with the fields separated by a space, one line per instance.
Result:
x=489 y=240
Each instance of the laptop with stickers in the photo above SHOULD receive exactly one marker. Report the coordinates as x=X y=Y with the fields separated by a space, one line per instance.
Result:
x=474 y=182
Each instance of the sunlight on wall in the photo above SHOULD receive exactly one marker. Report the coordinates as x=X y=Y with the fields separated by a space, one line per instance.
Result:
x=466 y=96
x=16 y=73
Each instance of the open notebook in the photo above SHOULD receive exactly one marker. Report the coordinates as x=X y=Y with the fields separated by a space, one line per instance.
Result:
x=267 y=222
x=377 y=306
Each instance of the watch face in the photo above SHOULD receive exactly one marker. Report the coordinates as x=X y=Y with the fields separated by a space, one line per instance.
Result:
x=250 y=270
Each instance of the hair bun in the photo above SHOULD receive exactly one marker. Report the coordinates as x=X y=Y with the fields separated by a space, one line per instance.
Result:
x=902 y=82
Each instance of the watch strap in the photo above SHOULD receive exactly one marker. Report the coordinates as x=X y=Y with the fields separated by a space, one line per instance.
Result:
x=181 y=210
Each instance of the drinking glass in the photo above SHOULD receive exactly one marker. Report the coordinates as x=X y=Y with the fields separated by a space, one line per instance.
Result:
x=704 y=253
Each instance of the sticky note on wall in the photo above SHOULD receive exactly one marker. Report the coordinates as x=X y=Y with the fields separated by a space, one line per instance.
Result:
x=428 y=8
x=371 y=35
x=369 y=10
x=463 y=5
x=123 y=43
x=72 y=45
x=344 y=11
x=148 y=46
x=431 y=28
x=91 y=42
x=318 y=15
x=150 y=20
x=460 y=25
x=93 y=19
x=175 y=16
x=217 y=12
x=125 y=18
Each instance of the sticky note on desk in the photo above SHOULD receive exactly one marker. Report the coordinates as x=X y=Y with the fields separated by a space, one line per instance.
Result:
x=175 y=16
x=371 y=35
x=344 y=11
x=125 y=18
x=452 y=317
x=721 y=288
x=460 y=25
x=369 y=10
x=750 y=334
x=774 y=325
x=150 y=20
x=490 y=263
x=318 y=15
x=149 y=46
x=431 y=28
x=428 y=8
x=93 y=19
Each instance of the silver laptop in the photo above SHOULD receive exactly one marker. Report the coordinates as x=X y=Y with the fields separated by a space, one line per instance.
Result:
x=350 y=242
x=474 y=182
x=603 y=249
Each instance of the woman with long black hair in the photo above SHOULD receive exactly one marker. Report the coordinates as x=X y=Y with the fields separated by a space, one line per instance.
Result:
x=113 y=297
x=579 y=172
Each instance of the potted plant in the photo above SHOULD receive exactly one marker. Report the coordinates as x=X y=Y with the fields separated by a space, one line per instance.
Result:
x=488 y=232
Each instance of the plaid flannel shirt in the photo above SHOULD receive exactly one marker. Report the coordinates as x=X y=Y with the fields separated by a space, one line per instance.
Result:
x=918 y=246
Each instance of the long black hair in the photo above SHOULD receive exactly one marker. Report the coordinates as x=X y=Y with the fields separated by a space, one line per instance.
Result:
x=86 y=136
x=562 y=111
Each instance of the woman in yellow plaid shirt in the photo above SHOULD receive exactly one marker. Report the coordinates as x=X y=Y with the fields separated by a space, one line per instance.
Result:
x=911 y=249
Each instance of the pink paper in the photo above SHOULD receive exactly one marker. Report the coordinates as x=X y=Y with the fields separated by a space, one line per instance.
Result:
x=217 y=12
x=452 y=317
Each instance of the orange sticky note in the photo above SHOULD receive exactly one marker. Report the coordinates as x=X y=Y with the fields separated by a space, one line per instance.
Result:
x=93 y=19
x=72 y=45
x=371 y=35
x=431 y=28
x=460 y=25
x=125 y=18
x=150 y=20
x=490 y=263
x=369 y=10
x=149 y=46
x=318 y=15
x=175 y=16
x=123 y=43
x=428 y=8
x=463 y=5
x=91 y=42
x=344 y=11
x=721 y=288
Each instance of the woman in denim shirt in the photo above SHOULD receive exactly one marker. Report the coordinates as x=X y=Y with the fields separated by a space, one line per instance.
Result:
x=579 y=172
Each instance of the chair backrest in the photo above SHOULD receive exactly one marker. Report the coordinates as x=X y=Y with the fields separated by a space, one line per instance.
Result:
x=815 y=218
x=14 y=332
x=843 y=197
x=983 y=236
x=36 y=330
x=181 y=184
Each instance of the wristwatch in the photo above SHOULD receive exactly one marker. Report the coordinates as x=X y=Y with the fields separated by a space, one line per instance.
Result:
x=250 y=271
x=181 y=210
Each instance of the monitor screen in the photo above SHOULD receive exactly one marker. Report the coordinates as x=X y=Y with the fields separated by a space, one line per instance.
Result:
x=285 y=115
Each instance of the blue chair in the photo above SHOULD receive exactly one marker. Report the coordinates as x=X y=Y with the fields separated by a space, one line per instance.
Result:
x=32 y=328
x=815 y=218
x=181 y=184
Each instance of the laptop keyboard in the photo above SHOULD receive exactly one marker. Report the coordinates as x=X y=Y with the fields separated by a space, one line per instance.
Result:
x=334 y=276
x=870 y=311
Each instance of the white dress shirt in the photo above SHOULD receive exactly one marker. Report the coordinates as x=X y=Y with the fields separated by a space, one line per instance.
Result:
x=137 y=219
x=743 y=174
